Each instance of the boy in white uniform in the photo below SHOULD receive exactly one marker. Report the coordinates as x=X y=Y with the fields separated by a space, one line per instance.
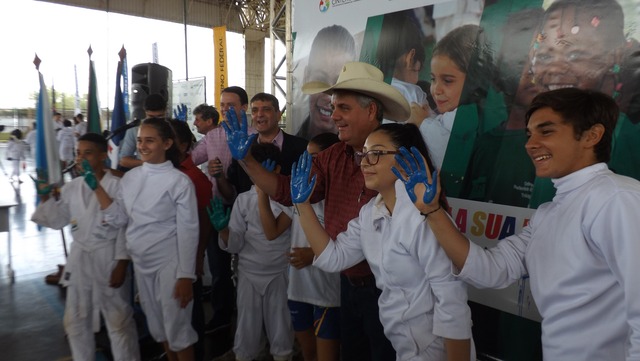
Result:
x=580 y=250
x=96 y=271
x=67 y=141
x=15 y=153
x=262 y=270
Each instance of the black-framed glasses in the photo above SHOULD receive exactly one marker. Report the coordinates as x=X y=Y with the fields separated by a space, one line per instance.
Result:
x=373 y=156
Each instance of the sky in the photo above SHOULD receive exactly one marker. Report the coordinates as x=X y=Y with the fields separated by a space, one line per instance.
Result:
x=61 y=35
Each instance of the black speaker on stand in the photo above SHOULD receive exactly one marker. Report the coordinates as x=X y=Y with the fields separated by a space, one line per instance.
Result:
x=146 y=79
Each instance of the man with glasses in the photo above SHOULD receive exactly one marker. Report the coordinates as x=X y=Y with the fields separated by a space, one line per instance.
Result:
x=266 y=115
x=359 y=99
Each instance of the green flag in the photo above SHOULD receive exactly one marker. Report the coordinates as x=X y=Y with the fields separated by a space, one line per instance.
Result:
x=93 y=110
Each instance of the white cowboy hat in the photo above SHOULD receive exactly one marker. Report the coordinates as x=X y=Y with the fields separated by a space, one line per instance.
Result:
x=366 y=79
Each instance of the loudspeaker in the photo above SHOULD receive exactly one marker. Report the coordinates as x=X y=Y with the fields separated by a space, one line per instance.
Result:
x=149 y=78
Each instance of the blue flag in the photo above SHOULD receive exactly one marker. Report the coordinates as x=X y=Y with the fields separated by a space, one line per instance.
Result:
x=125 y=89
x=47 y=155
x=118 y=117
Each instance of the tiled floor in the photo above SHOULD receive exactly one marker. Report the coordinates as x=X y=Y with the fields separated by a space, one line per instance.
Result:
x=30 y=310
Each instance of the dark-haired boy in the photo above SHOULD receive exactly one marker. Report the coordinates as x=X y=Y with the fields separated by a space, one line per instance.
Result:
x=580 y=250
x=96 y=269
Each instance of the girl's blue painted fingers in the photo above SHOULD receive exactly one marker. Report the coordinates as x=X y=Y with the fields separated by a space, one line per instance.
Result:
x=415 y=170
x=430 y=188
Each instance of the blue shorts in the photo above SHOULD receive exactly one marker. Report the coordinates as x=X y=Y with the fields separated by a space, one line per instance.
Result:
x=324 y=320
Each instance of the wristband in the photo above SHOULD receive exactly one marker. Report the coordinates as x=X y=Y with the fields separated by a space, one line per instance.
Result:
x=425 y=215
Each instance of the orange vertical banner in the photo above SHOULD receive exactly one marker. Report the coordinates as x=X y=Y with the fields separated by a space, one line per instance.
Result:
x=220 y=56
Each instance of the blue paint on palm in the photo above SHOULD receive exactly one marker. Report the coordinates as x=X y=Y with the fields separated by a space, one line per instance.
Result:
x=301 y=188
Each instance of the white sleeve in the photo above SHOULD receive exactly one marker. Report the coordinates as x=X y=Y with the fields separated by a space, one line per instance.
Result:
x=52 y=214
x=499 y=266
x=345 y=251
x=615 y=230
x=188 y=229
x=237 y=228
x=116 y=214
x=451 y=313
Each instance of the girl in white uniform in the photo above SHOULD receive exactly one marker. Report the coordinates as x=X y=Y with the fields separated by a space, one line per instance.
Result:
x=423 y=308
x=96 y=270
x=158 y=203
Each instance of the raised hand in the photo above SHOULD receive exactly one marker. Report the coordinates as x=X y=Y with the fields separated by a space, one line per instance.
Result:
x=416 y=172
x=269 y=165
x=215 y=168
x=238 y=139
x=301 y=188
x=89 y=176
x=180 y=112
x=218 y=217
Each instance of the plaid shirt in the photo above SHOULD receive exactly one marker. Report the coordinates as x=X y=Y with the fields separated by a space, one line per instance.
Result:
x=340 y=183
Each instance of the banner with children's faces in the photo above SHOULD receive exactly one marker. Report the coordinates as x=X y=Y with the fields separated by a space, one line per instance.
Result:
x=471 y=68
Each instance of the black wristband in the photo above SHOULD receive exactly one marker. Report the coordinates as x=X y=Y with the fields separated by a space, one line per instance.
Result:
x=425 y=215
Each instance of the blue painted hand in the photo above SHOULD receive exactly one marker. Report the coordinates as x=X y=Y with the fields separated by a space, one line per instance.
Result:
x=180 y=112
x=301 y=188
x=238 y=139
x=269 y=165
x=416 y=172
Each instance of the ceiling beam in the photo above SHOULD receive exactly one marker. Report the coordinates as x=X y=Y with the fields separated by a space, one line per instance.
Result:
x=204 y=13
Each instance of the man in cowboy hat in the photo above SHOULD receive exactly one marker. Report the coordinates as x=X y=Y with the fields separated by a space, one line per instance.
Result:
x=359 y=100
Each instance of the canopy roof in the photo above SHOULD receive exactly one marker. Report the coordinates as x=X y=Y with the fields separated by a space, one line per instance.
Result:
x=237 y=15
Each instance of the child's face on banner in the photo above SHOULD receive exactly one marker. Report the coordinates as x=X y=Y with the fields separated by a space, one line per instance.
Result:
x=447 y=81
x=572 y=51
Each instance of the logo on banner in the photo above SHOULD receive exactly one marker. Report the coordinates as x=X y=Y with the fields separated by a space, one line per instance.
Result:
x=324 y=6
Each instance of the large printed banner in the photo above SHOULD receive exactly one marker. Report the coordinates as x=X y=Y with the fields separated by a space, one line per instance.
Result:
x=471 y=69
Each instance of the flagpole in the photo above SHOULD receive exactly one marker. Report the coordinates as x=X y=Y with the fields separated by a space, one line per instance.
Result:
x=47 y=159
x=93 y=109
x=77 y=103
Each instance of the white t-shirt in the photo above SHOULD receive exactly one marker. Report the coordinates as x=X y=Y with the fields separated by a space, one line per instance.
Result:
x=311 y=284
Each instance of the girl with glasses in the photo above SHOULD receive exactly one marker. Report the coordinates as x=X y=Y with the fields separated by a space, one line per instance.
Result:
x=422 y=307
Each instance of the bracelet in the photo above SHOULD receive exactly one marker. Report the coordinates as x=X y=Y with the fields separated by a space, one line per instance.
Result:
x=425 y=215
